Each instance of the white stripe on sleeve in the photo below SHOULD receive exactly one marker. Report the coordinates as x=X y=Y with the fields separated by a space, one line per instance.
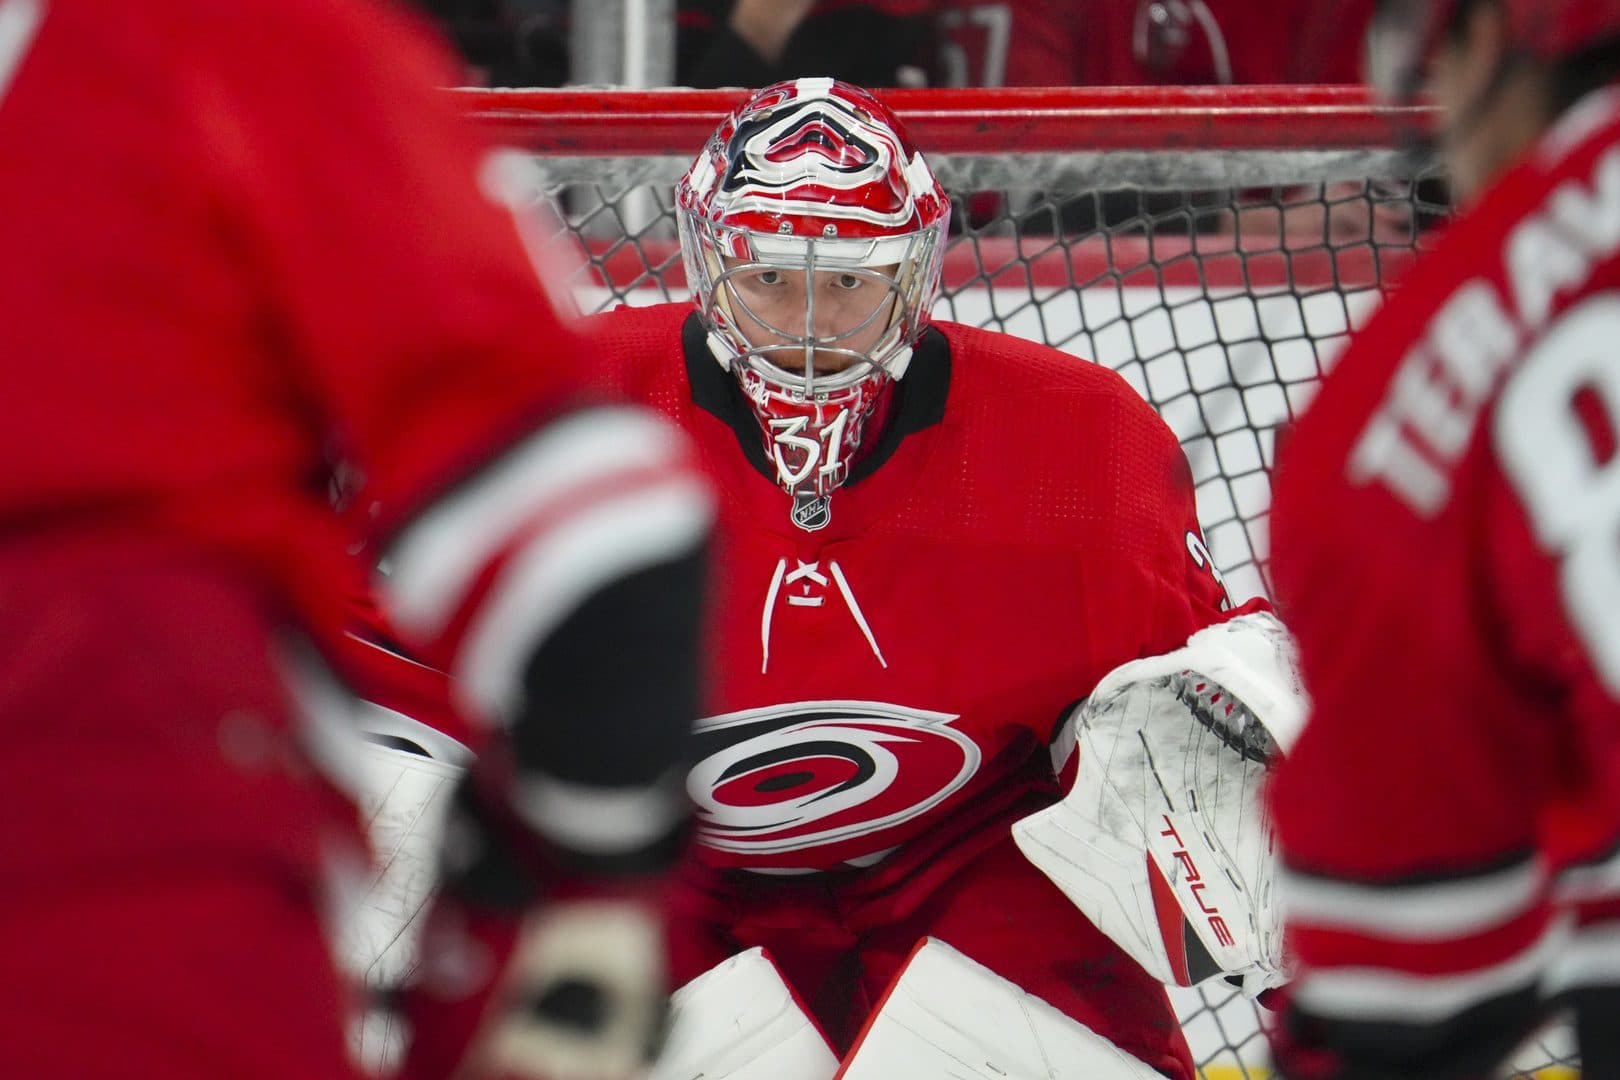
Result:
x=1431 y=911
x=601 y=820
x=1598 y=880
x=1591 y=959
x=438 y=557
x=1380 y=995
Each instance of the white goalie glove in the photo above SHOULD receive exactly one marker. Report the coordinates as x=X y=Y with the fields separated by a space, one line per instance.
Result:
x=1163 y=842
x=405 y=775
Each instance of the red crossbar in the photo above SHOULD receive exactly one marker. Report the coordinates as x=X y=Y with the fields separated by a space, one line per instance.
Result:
x=622 y=123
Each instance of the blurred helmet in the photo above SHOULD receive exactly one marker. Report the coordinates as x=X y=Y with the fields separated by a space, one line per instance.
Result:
x=813 y=177
x=1405 y=34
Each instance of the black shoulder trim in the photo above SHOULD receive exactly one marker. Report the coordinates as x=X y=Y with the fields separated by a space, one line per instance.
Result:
x=919 y=401
x=716 y=392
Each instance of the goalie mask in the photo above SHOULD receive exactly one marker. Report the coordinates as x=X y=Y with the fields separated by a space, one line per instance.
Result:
x=813 y=235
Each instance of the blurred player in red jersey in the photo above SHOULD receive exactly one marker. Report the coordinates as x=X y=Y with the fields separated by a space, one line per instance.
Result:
x=1144 y=42
x=243 y=242
x=933 y=541
x=1100 y=43
x=1444 y=537
x=993 y=43
x=757 y=42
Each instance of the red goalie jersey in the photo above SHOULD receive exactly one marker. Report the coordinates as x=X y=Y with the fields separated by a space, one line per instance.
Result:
x=1448 y=819
x=1025 y=524
x=885 y=682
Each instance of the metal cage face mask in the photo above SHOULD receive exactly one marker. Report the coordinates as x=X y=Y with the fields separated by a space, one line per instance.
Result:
x=812 y=186
x=810 y=341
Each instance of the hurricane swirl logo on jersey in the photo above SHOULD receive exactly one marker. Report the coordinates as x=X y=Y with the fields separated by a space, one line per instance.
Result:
x=792 y=777
x=776 y=155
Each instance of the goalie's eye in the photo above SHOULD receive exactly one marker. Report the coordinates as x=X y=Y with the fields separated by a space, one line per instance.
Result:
x=768 y=277
x=848 y=282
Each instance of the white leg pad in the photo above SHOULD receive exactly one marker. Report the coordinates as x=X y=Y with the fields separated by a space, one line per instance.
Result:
x=739 y=1021
x=946 y=1016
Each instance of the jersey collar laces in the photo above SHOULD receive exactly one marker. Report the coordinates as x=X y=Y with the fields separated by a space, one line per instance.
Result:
x=811 y=571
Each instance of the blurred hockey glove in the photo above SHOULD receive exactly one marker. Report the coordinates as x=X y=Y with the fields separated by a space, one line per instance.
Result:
x=1163 y=842
x=564 y=981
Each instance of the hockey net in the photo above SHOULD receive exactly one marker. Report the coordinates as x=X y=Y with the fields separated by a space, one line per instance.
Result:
x=1212 y=245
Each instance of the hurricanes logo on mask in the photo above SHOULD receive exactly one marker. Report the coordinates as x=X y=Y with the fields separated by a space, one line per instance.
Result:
x=797 y=776
x=837 y=147
x=807 y=155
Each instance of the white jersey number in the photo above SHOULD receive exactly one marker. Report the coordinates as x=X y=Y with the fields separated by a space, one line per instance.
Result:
x=1571 y=495
x=786 y=435
x=995 y=21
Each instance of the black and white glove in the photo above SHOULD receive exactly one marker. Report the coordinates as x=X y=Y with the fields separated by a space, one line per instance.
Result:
x=1163 y=842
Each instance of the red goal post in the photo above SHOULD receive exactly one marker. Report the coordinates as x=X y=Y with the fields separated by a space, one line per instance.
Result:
x=1212 y=244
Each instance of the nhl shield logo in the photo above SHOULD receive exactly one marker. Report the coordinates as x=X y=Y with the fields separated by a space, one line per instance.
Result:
x=811 y=511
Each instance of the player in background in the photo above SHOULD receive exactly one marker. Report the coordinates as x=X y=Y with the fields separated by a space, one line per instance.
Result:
x=933 y=541
x=1144 y=42
x=758 y=42
x=1029 y=43
x=506 y=42
x=243 y=242
x=1140 y=43
x=1444 y=537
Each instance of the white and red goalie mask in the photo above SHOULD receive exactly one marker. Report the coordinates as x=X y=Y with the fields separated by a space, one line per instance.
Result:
x=812 y=187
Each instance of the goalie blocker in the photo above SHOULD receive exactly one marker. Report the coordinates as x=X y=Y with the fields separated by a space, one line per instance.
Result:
x=1162 y=840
